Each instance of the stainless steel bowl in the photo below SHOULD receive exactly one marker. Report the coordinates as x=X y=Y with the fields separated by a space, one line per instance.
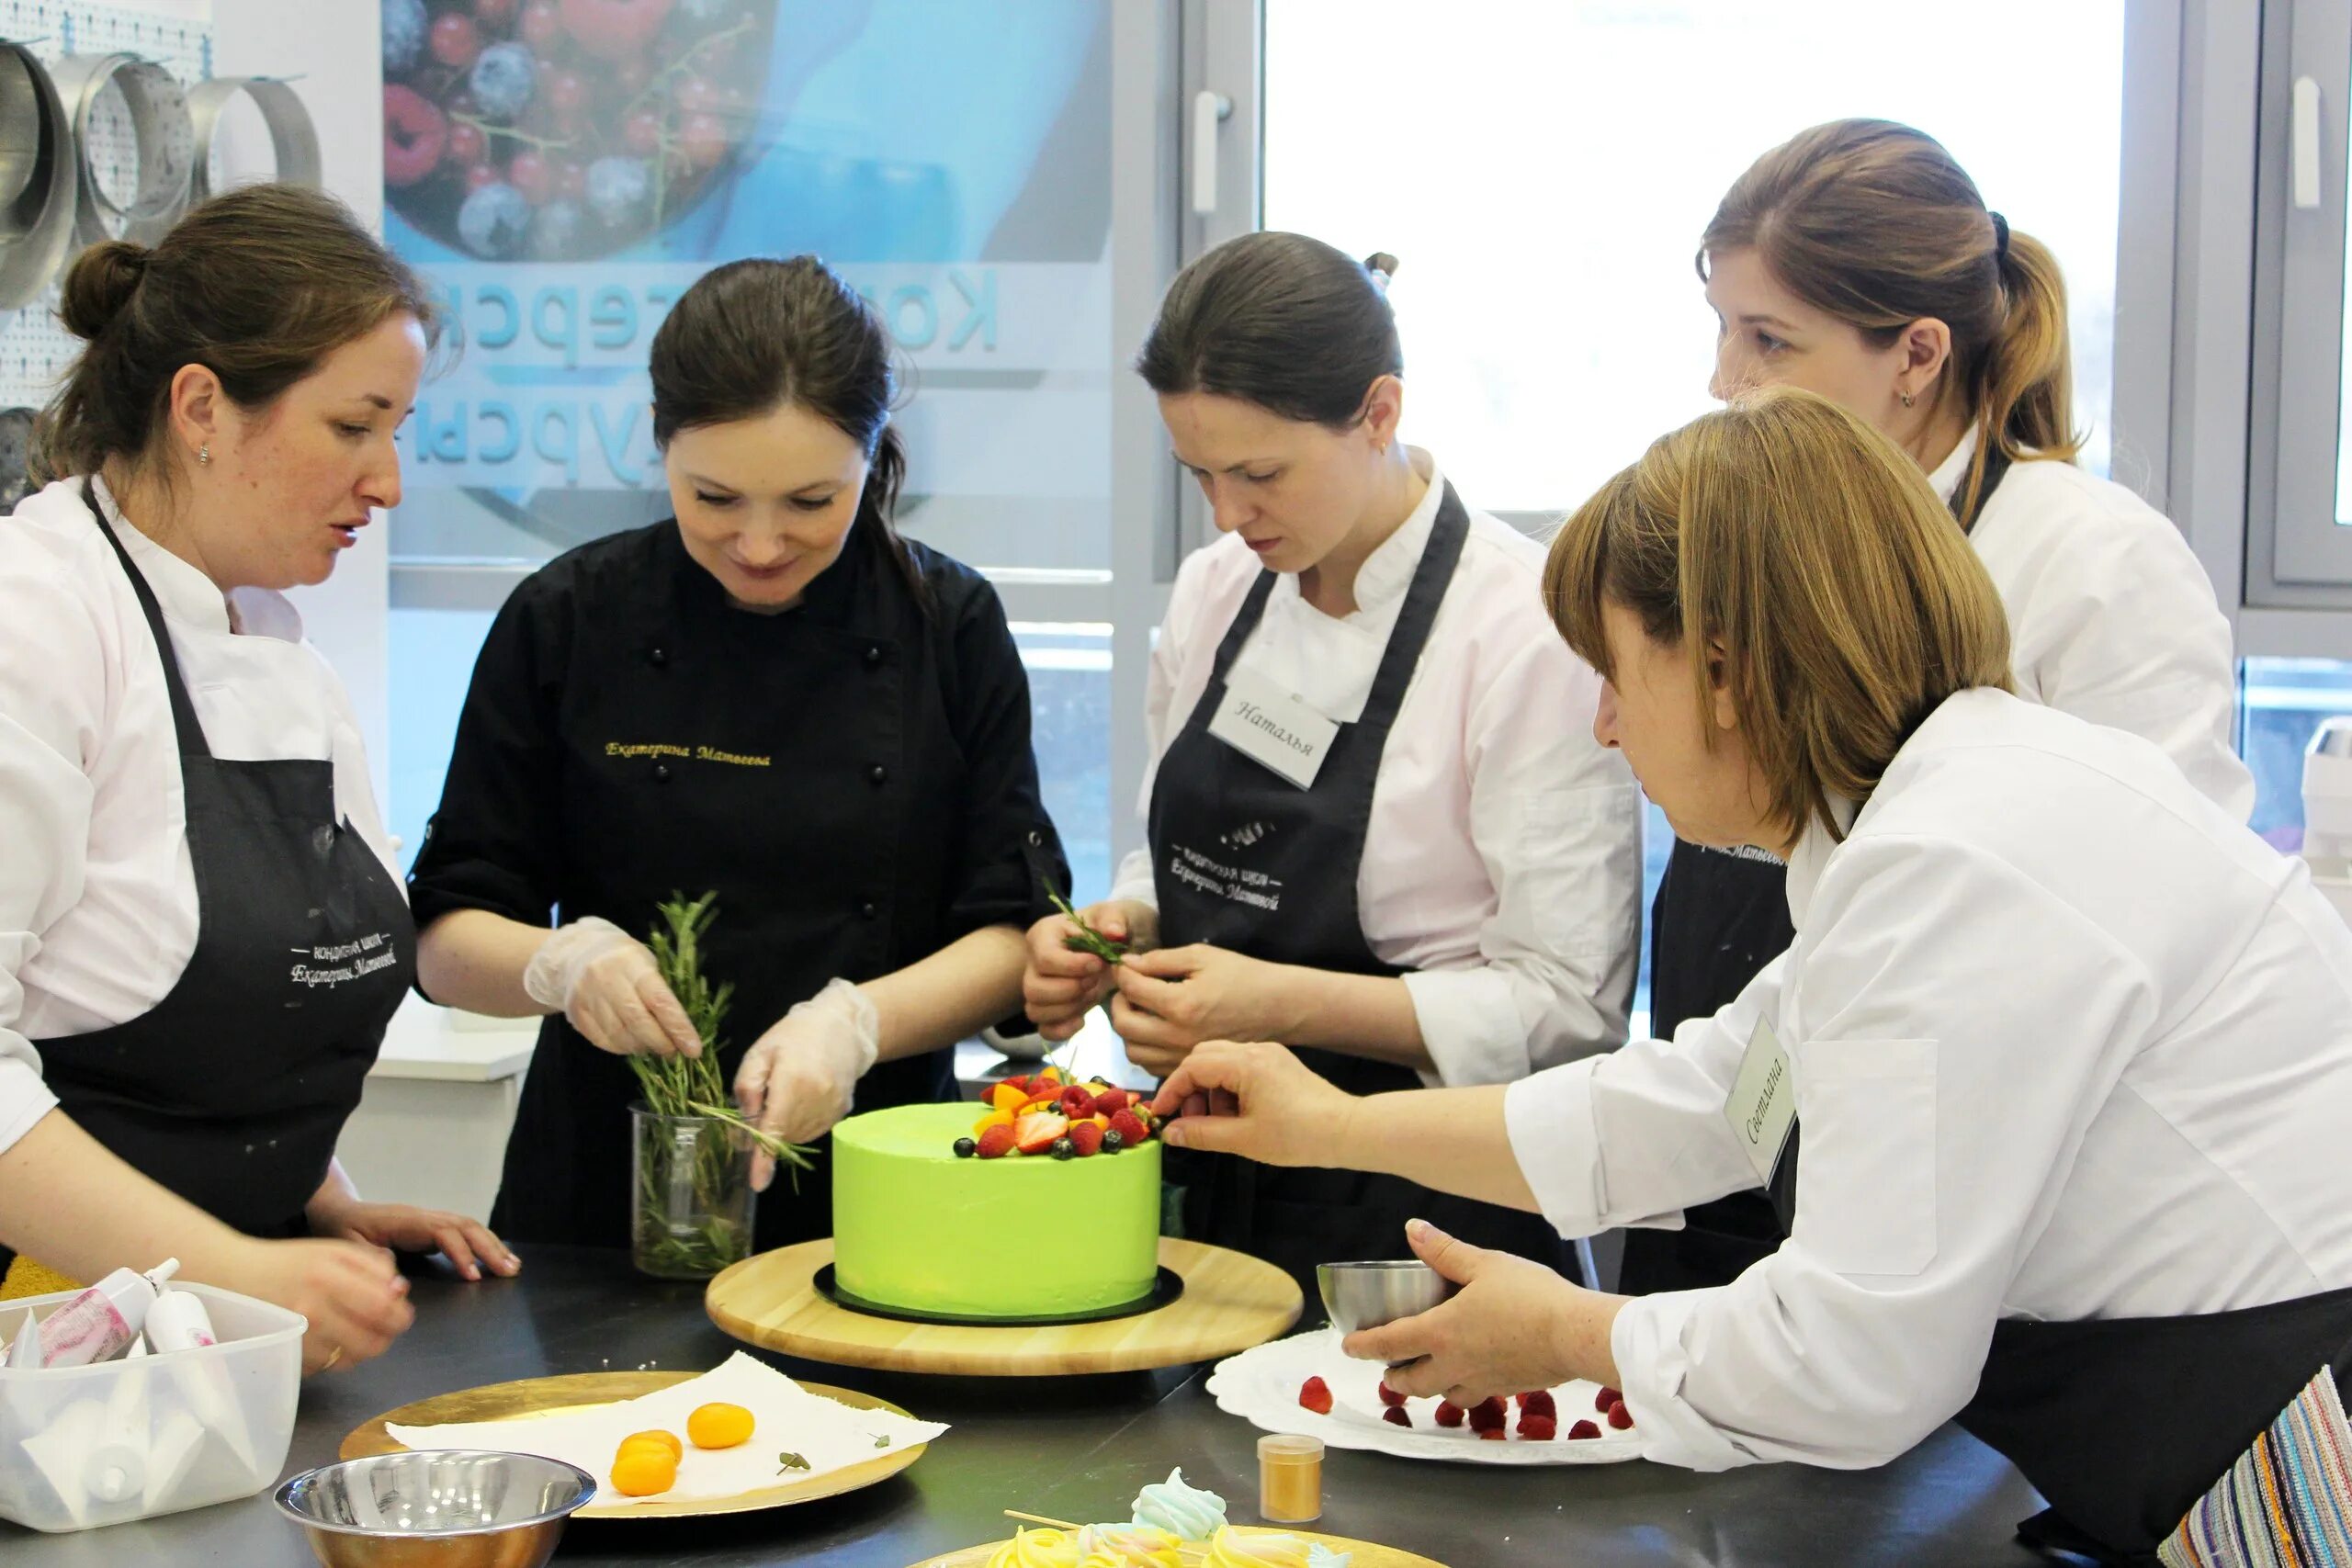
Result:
x=437 y=1509
x=1365 y=1295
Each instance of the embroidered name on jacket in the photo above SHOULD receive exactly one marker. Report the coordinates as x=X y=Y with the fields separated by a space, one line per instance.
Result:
x=689 y=753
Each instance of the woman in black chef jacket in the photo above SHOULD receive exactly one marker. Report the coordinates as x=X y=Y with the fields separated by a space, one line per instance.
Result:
x=202 y=937
x=773 y=697
x=1858 y=261
x=1379 y=825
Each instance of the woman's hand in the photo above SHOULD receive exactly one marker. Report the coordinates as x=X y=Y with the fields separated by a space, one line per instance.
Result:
x=605 y=983
x=1513 y=1326
x=1255 y=1101
x=1170 y=1000
x=356 y=1300
x=801 y=1075
x=400 y=1227
x=1059 y=984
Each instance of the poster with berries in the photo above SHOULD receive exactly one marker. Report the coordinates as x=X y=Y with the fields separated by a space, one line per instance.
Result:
x=560 y=171
x=1305 y=1386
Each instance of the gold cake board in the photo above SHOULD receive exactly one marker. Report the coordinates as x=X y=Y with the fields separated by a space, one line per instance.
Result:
x=1230 y=1303
x=1361 y=1553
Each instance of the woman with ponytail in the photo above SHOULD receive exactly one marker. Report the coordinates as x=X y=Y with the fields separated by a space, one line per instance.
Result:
x=1858 y=261
x=772 y=697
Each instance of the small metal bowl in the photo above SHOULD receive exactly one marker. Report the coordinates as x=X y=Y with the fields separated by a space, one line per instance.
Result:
x=437 y=1509
x=1365 y=1295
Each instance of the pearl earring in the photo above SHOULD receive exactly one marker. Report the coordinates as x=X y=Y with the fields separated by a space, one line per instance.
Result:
x=204 y=452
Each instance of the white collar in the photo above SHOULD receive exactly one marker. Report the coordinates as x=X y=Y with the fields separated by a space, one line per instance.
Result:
x=1810 y=857
x=1387 y=572
x=1946 y=479
x=191 y=599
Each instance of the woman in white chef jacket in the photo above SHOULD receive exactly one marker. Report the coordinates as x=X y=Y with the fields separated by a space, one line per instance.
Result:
x=201 y=936
x=1857 y=260
x=2064 y=1047
x=1378 y=828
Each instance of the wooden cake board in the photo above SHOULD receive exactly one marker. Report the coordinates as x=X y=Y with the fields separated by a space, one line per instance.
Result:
x=1361 y=1553
x=1230 y=1303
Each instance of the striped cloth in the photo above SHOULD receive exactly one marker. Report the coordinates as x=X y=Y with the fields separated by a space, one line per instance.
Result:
x=2287 y=1504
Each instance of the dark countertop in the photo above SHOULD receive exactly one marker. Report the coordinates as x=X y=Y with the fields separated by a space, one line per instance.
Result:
x=1078 y=1448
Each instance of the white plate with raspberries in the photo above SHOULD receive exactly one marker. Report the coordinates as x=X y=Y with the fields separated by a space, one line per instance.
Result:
x=1304 y=1385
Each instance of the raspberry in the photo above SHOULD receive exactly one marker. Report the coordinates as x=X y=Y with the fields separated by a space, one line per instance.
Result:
x=1538 y=1428
x=1076 y=1104
x=1605 y=1398
x=996 y=1141
x=1130 y=1128
x=1316 y=1394
x=1584 y=1429
x=1489 y=1416
x=1449 y=1414
x=1620 y=1418
x=1390 y=1396
x=1085 y=1137
x=1538 y=1403
x=1395 y=1415
x=1493 y=1434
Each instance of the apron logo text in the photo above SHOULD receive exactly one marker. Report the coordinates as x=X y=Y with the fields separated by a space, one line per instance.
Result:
x=1254 y=888
x=369 y=954
x=690 y=753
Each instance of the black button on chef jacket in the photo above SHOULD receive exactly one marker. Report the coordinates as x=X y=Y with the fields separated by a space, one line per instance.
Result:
x=853 y=777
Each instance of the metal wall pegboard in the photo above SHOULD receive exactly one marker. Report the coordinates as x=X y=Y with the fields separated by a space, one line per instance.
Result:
x=35 y=351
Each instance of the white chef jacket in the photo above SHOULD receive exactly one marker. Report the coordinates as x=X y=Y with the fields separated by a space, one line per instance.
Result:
x=2111 y=616
x=1502 y=865
x=2068 y=1042
x=97 y=894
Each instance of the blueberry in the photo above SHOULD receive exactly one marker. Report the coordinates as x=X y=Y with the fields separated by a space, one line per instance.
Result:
x=503 y=77
x=405 y=31
x=966 y=1149
x=1064 y=1149
x=619 y=190
x=1112 y=1142
x=494 y=221
x=556 y=230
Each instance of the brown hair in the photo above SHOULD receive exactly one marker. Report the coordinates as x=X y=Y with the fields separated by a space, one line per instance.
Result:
x=258 y=285
x=1806 y=545
x=1875 y=224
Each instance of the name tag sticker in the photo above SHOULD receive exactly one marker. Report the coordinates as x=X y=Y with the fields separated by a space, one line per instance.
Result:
x=1763 y=1103
x=1270 y=726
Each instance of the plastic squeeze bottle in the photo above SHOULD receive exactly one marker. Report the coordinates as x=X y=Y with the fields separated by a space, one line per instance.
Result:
x=103 y=1320
x=178 y=1321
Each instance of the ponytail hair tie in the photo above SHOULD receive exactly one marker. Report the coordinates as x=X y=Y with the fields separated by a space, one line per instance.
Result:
x=1382 y=268
x=2000 y=237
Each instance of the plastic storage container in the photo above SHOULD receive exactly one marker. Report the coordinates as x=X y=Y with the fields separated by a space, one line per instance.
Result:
x=128 y=1439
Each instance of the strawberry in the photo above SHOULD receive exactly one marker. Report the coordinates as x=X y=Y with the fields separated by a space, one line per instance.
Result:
x=1489 y=1415
x=996 y=1141
x=1035 y=1134
x=1316 y=1394
x=1620 y=1418
x=1130 y=1128
x=1076 y=1104
x=1395 y=1415
x=1110 y=1101
x=1390 y=1396
x=1493 y=1434
x=1449 y=1414
x=1027 y=1086
x=1086 y=1137
x=1583 y=1429
x=1538 y=1403
x=1538 y=1428
x=1605 y=1398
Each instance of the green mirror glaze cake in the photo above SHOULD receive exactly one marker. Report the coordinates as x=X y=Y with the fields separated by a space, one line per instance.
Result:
x=924 y=1221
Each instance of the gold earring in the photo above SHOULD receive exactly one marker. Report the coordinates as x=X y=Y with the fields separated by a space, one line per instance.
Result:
x=1907 y=399
x=204 y=452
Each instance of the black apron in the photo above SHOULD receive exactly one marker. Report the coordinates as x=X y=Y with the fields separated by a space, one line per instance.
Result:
x=233 y=1090
x=2122 y=1424
x=1239 y=815
x=1719 y=917
x=803 y=852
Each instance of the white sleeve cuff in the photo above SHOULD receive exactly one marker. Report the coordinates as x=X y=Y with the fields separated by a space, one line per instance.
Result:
x=24 y=1098
x=1470 y=1026
x=1135 y=881
x=1649 y=1342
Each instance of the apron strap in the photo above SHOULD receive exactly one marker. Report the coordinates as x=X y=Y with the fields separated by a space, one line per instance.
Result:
x=183 y=721
x=1434 y=576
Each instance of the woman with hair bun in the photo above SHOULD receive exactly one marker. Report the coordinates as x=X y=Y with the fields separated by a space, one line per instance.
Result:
x=202 y=934
x=1858 y=261
x=1379 y=826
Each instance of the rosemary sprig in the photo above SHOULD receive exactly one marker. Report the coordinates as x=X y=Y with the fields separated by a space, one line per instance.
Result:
x=1088 y=939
